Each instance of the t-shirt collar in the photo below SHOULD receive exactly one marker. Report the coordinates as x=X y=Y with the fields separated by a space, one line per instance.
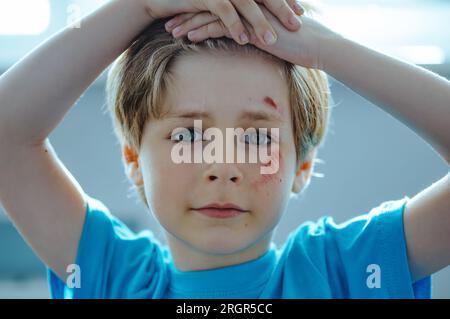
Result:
x=244 y=276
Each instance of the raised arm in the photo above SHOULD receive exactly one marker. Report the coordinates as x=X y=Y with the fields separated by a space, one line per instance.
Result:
x=39 y=90
x=421 y=100
x=417 y=97
x=38 y=193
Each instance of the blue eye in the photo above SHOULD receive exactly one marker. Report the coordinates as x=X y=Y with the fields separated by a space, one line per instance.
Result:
x=188 y=135
x=258 y=138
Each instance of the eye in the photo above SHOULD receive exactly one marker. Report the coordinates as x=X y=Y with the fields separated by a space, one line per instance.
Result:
x=187 y=135
x=257 y=138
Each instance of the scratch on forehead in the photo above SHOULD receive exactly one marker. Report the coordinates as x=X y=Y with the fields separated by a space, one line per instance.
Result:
x=269 y=101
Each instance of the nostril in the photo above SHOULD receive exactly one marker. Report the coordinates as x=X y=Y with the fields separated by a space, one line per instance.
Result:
x=213 y=178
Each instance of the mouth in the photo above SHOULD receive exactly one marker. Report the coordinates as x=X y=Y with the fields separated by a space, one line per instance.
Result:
x=217 y=210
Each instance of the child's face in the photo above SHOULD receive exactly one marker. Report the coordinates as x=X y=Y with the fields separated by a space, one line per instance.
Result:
x=224 y=87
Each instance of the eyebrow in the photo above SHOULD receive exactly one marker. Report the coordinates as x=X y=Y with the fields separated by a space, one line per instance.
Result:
x=261 y=116
x=245 y=115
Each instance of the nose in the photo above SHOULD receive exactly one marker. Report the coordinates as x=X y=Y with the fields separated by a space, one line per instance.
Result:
x=223 y=172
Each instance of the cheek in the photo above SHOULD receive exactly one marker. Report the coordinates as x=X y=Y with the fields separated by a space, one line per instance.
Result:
x=270 y=181
x=164 y=179
x=171 y=178
x=169 y=190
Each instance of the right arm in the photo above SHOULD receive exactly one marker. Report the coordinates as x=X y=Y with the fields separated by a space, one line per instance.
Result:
x=38 y=193
x=44 y=201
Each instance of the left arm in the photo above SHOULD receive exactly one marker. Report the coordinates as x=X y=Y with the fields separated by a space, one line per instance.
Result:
x=421 y=100
x=417 y=97
x=427 y=229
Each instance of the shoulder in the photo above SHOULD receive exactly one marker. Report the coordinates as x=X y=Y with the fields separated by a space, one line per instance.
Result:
x=115 y=261
x=382 y=218
x=100 y=223
x=346 y=254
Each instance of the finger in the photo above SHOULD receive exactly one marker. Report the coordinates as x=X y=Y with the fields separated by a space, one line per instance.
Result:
x=213 y=30
x=177 y=20
x=285 y=14
x=253 y=39
x=253 y=14
x=230 y=18
x=293 y=4
x=195 y=22
x=297 y=7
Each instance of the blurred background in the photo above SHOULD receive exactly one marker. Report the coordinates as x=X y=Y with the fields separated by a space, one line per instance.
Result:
x=368 y=156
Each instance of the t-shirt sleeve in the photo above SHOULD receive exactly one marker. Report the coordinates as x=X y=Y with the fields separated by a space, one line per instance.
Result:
x=369 y=255
x=365 y=257
x=112 y=261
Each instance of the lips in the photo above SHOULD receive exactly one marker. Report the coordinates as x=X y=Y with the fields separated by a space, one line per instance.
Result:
x=227 y=206
x=221 y=210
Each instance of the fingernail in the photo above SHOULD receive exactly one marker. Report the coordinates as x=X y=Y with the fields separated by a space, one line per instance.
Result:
x=269 y=38
x=243 y=37
x=191 y=35
x=170 y=23
x=298 y=9
x=293 y=20
x=176 y=31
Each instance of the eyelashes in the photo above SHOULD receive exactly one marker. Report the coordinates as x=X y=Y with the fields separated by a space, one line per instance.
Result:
x=192 y=135
x=186 y=135
x=257 y=138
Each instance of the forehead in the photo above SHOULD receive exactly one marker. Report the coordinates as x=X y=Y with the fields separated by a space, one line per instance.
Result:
x=227 y=84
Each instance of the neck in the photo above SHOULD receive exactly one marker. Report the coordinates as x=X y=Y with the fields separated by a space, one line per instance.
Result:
x=188 y=258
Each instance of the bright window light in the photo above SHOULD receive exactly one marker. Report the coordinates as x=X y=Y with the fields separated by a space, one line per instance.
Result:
x=413 y=33
x=24 y=17
x=420 y=54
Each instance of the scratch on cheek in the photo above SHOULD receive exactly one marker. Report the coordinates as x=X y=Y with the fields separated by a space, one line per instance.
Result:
x=266 y=179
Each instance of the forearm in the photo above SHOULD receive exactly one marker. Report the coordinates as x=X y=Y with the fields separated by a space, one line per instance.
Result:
x=417 y=97
x=38 y=91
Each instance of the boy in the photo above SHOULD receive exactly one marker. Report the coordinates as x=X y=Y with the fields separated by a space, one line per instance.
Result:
x=211 y=256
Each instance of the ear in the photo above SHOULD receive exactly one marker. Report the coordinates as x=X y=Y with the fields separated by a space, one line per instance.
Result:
x=131 y=162
x=303 y=172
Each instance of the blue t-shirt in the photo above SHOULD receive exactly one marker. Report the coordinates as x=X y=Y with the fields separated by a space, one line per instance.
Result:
x=365 y=257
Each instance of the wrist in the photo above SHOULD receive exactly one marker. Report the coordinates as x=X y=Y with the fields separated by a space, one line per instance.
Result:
x=143 y=7
x=146 y=6
x=329 y=49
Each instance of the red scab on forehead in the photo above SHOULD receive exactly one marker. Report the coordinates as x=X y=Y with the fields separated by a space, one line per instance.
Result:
x=269 y=101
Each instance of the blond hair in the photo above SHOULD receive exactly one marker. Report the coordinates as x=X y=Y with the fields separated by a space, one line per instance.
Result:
x=138 y=81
